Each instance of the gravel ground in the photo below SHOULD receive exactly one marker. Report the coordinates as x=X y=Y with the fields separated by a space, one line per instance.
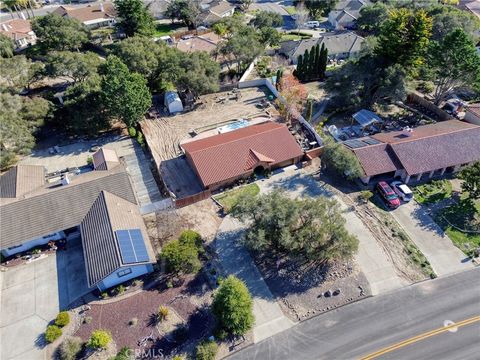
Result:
x=302 y=289
x=187 y=301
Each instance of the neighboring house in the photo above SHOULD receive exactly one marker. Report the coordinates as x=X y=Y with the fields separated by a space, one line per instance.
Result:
x=206 y=42
x=92 y=16
x=419 y=153
x=215 y=11
x=346 y=13
x=340 y=45
x=97 y=203
x=472 y=114
x=20 y=31
x=222 y=159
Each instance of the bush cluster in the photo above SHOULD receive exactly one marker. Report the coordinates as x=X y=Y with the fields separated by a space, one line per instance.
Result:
x=206 y=350
x=99 y=339
x=70 y=348
x=63 y=319
x=52 y=333
x=181 y=256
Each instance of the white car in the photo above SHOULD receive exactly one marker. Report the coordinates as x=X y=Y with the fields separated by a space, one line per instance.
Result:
x=312 y=24
x=402 y=190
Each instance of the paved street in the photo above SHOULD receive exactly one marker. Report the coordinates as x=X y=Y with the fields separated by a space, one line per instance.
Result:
x=360 y=329
x=235 y=259
x=437 y=247
x=373 y=261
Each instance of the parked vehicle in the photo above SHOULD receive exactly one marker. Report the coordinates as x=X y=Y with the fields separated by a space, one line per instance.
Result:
x=312 y=24
x=402 y=190
x=388 y=195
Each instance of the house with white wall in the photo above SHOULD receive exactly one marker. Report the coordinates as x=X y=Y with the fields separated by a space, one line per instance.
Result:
x=92 y=16
x=20 y=32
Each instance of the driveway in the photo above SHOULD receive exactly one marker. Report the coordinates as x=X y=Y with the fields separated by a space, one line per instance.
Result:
x=371 y=257
x=31 y=296
x=235 y=260
x=437 y=247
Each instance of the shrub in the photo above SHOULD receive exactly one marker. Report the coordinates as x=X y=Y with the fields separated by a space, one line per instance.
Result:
x=162 y=313
x=52 y=333
x=233 y=306
x=63 y=319
x=140 y=139
x=132 y=132
x=87 y=320
x=178 y=357
x=99 y=339
x=120 y=289
x=206 y=350
x=133 y=322
x=365 y=196
x=123 y=354
x=90 y=160
x=70 y=348
x=104 y=295
x=181 y=257
x=191 y=237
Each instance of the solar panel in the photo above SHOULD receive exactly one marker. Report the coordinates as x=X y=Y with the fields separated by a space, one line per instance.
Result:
x=371 y=141
x=132 y=246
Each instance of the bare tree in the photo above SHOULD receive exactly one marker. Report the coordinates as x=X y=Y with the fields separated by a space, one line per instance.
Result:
x=302 y=15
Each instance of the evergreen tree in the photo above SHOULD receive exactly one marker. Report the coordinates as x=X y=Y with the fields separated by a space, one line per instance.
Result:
x=316 y=73
x=279 y=78
x=322 y=67
x=299 y=73
x=308 y=115
x=306 y=65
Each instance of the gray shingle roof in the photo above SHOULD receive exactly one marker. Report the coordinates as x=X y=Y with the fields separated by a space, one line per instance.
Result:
x=53 y=208
x=108 y=214
x=20 y=180
x=337 y=42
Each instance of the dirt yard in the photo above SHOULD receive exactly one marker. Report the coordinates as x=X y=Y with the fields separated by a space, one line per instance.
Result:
x=167 y=225
x=164 y=134
x=306 y=290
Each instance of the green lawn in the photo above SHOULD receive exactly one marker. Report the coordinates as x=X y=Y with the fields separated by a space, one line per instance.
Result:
x=166 y=29
x=292 y=10
x=288 y=37
x=462 y=216
x=433 y=191
x=228 y=199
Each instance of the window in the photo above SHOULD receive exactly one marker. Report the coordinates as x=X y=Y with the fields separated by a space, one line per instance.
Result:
x=124 y=272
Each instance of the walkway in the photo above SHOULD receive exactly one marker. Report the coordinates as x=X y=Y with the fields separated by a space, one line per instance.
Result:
x=235 y=260
x=372 y=259
x=437 y=247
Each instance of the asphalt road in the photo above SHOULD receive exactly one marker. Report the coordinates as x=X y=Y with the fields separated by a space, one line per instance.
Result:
x=406 y=324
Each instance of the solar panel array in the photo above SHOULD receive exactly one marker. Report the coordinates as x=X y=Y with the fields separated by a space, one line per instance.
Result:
x=359 y=143
x=132 y=246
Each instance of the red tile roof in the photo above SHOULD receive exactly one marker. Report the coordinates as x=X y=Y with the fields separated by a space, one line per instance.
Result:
x=16 y=28
x=227 y=156
x=88 y=13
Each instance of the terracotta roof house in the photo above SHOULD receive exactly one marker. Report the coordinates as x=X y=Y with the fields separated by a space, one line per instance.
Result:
x=346 y=13
x=98 y=204
x=423 y=152
x=472 y=114
x=340 y=45
x=206 y=42
x=92 y=16
x=222 y=159
x=20 y=31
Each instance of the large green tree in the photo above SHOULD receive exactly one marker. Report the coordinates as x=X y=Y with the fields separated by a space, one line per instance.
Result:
x=267 y=19
x=6 y=47
x=59 y=33
x=455 y=63
x=372 y=17
x=18 y=73
x=341 y=160
x=448 y=18
x=74 y=65
x=404 y=38
x=134 y=18
x=311 y=228
x=19 y=120
x=233 y=306
x=200 y=73
x=471 y=180
x=317 y=8
x=186 y=11
x=125 y=95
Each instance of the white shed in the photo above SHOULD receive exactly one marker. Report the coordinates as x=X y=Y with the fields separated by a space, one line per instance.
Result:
x=172 y=102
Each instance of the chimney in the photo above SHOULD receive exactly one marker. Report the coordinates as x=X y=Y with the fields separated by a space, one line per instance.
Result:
x=101 y=7
x=407 y=131
x=65 y=180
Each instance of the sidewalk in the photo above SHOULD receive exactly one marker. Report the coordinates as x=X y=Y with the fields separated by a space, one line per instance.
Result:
x=235 y=260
